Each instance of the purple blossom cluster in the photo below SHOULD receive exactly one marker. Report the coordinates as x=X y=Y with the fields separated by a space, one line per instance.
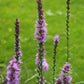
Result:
x=56 y=38
x=65 y=77
x=44 y=62
x=13 y=72
x=41 y=31
x=40 y=35
x=66 y=70
x=13 y=67
x=59 y=81
x=45 y=65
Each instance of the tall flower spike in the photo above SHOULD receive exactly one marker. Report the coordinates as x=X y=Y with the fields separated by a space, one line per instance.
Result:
x=66 y=78
x=13 y=67
x=17 y=43
x=40 y=35
x=56 y=40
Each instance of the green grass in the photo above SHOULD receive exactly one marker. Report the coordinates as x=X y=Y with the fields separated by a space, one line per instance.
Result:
x=26 y=11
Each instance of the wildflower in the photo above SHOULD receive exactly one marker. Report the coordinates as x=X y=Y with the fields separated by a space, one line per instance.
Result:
x=66 y=70
x=40 y=35
x=17 y=39
x=45 y=65
x=56 y=40
x=59 y=81
x=13 y=67
x=13 y=72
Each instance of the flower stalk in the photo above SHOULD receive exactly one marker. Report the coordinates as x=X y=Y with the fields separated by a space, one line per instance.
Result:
x=13 y=67
x=65 y=74
x=13 y=72
x=17 y=41
x=56 y=40
x=40 y=35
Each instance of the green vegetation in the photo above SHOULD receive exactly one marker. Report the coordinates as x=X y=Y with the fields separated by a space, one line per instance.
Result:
x=55 y=13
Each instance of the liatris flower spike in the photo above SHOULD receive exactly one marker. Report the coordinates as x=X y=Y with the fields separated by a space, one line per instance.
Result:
x=13 y=72
x=17 y=43
x=44 y=62
x=41 y=31
x=40 y=35
x=13 y=67
x=56 y=40
x=66 y=70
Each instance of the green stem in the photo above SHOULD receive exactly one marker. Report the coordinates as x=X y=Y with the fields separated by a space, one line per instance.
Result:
x=67 y=27
x=54 y=62
x=41 y=59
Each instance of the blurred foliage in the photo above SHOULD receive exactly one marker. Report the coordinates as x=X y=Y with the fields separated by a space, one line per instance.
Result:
x=55 y=13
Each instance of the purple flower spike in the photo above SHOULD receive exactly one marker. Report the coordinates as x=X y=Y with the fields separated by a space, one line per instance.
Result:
x=66 y=70
x=17 y=39
x=59 y=81
x=56 y=38
x=13 y=67
x=13 y=72
x=44 y=62
x=41 y=31
x=65 y=77
x=40 y=35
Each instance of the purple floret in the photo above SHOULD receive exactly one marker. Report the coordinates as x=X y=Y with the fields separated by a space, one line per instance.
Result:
x=44 y=63
x=56 y=38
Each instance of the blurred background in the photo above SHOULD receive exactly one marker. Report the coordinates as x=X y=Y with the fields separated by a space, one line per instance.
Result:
x=55 y=13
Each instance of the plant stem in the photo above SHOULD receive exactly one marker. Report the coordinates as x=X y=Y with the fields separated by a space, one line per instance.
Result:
x=67 y=27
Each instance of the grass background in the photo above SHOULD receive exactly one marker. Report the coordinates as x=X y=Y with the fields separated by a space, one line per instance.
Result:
x=55 y=13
